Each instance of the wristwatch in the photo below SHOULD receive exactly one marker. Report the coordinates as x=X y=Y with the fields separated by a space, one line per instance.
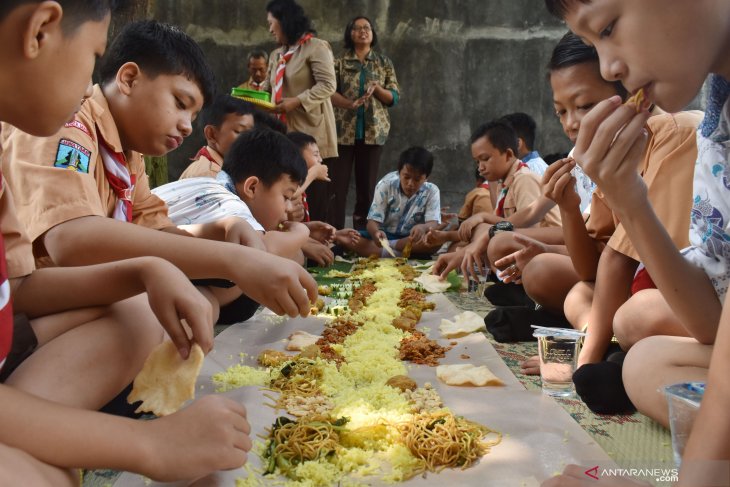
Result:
x=503 y=226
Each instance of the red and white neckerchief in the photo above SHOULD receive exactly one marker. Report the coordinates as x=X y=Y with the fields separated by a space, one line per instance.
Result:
x=204 y=152
x=256 y=86
x=120 y=180
x=305 y=204
x=505 y=189
x=6 y=305
x=281 y=69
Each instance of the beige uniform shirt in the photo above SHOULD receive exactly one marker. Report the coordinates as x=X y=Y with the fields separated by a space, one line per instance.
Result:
x=668 y=171
x=524 y=188
x=476 y=201
x=18 y=249
x=202 y=167
x=59 y=178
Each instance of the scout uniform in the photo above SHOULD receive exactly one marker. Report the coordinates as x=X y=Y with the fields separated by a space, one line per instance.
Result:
x=80 y=171
x=522 y=188
x=207 y=164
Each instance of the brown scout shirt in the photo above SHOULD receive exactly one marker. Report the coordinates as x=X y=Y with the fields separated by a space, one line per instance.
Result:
x=59 y=178
x=524 y=188
x=202 y=167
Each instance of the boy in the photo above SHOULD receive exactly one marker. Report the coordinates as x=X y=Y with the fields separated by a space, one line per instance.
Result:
x=317 y=248
x=405 y=207
x=260 y=175
x=525 y=128
x=224 y=120
x=41 y=420
x=670 y=72
x=154 y=82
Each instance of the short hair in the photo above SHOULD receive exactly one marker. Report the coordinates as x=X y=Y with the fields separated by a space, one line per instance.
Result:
x=262 y=120
x=499 y=133
x=420 y=159
x=257 y=54
x=75 y=12
x=349 y=44
x=559 y=8
x=524 y=126
x=222 y=105
x=570 y=51
x=294 y=23
x=301 y=140
x=266 y=154
x=159 y=49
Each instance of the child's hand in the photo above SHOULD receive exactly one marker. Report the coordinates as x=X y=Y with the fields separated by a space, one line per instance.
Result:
x=378 y=236
x=286 y=105
x=295 y=209
x=609 y=148
x=513 y=264
x=448 y=262
x=467 y=227
x=173 y=298
x=321 y=232
x=210 y=434
x=320 y=172
x=347 y=236
x=435 y=237
x=319 y=253
x=417 y=234
x=558 y=184
x=241 y=233
x=474 y=256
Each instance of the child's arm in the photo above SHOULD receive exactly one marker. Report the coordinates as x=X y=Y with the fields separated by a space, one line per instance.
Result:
x=288 y=242
x=318 y=252
x=559 y=186
x=419 y=232
x=320 y=231
x=613 y=287
x=232 y=229
x=211 y=434
x=274 y=282
x=318 y=172
x=171 y=295
x=613 y=166
x=375 y=232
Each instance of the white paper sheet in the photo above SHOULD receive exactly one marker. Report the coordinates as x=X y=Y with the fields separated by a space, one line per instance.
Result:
x=540 y=438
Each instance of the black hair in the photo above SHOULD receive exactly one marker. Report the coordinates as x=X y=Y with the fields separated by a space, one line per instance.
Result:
x=222 y=105
x=499 y=133
x=349 y=44
x=570 y=51
x=524 y=126
x=258 y=54
x=301 y=140
x=159 y=49
x=262 y=120
x=559 y=8
x=75 y=12
x=294 y=23
x=420 y=159
x=266 y=154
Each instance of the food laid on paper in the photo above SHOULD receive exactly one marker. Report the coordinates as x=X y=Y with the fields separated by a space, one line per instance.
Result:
x=463 y=324
x=467 y=375
x=299 y=340
x=166 y=381
x=433 y=284
x=353 y=414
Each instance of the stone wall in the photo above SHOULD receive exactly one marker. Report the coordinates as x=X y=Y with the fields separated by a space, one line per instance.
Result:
x=459 y=63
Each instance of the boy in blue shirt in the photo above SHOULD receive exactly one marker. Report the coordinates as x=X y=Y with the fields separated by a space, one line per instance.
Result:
x=405 y=207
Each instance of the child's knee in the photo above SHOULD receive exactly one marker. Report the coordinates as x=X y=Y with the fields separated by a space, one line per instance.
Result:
x=501 y=245
x=19 y=468
x=535 y=278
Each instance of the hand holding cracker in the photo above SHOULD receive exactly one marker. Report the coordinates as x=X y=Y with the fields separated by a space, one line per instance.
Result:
x=166 y=381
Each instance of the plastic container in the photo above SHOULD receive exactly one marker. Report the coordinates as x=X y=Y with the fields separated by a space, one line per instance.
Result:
x=684 y=402
x=256 y=95
x=558 y=360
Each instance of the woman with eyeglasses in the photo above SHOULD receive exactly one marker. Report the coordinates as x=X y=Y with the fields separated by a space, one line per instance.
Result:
x=366 y=88
x=302 y=81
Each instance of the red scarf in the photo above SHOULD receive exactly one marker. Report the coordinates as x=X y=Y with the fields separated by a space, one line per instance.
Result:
x=121 y=181
x=284 y=58
x=204 y=152
x=306 y=207
x=505 y=190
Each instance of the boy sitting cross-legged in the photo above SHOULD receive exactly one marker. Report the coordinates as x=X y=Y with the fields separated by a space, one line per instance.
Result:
x=154 y=81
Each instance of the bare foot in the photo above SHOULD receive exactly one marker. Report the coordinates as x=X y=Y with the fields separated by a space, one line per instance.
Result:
x=531 y=366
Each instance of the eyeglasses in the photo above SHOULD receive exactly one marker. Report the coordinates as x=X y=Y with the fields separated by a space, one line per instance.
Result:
x=364 y=28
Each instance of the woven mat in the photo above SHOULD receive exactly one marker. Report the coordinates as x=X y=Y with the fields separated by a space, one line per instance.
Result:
x=631 y=440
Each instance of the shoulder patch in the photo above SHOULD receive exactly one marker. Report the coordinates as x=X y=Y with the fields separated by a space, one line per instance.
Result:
x=79 y=125
x=72 y=156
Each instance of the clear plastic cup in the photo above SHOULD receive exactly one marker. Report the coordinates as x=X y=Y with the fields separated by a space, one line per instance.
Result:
x=558 y=359
x=684 y=402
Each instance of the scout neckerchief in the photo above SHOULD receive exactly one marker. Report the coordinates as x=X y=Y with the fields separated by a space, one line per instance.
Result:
x=306 y=207
x=120 y=180
x=256 y=86
x=6 y=306
x=281 y=69
x=204 y=152
x=505 y=190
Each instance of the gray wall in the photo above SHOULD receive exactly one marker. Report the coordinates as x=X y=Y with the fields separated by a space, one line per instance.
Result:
x=459 y=63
